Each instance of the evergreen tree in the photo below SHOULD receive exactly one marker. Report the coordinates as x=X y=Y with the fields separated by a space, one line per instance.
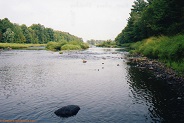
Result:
x=153 y=18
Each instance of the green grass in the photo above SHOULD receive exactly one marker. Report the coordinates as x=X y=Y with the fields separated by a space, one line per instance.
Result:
x=169 y=50
x=18 y=46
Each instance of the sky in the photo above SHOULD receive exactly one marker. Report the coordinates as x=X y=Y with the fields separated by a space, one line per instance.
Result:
x=88 y=19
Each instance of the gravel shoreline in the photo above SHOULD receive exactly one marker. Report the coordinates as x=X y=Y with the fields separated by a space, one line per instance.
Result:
x=160 y=71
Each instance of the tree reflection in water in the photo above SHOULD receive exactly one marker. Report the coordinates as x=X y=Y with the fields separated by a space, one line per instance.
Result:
x=163 y=100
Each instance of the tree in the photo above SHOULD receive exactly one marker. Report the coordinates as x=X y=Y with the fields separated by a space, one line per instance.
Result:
x=19 y=37
x=36 y=33
x=8 y=36
x=26 y=33
x=4 y=25
x=132 y=32
x=40 y=32
x=153 y=18
x=49 y=34
x=1 y=34
x=34 y=37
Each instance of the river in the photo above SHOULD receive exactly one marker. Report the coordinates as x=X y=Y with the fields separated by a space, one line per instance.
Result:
x=35 y=83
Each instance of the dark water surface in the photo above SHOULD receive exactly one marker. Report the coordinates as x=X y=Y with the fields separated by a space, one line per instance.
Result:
x=33 y=84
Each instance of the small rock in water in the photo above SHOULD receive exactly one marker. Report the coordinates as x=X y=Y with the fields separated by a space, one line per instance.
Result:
x=67 y=111
x=179 y=98
x=84 y=61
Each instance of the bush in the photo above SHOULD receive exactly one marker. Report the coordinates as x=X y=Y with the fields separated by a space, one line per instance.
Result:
x=81 y=44
x=71 y=47
x=107 y=43
x=64 y=45
x=53 y=46
x=84 y=45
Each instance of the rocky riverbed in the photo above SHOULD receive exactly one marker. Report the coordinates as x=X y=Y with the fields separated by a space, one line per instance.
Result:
x=160 y=71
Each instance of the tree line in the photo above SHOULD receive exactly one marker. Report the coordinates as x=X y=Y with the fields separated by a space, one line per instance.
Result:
x=153 y=18
x=95 y=42
x=35 y=34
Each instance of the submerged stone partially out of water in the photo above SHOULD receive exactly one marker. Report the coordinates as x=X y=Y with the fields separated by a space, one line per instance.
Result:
x=67 y=111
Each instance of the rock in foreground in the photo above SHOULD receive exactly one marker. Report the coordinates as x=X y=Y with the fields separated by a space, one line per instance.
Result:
x=67 y=111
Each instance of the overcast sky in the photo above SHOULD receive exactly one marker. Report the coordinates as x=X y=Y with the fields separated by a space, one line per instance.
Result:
x=88 y=19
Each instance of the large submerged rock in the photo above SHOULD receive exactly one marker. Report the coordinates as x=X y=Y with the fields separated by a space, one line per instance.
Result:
x=67 y=111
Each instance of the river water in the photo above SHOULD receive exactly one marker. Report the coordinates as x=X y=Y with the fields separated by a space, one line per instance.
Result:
x=35 y=83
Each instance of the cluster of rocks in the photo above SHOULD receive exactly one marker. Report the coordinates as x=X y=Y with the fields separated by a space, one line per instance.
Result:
x=160 y=71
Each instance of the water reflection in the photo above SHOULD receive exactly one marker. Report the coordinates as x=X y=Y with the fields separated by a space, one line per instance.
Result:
x=36 y=83
x=162 y=99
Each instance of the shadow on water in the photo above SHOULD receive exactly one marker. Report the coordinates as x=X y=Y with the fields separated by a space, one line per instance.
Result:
x=164 y=103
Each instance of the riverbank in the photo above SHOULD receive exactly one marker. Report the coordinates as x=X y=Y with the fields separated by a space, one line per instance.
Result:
x=161 y=72
x=162 y=56
x=168 y=50
x=10 y=46
x=159 y=69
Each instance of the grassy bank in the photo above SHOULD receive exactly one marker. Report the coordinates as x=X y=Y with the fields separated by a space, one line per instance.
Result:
x=18 y=46
x=169 y=50
x=64 y=45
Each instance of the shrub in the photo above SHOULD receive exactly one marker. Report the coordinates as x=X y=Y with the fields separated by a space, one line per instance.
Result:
x=71 y=47
x=107 y=43
x=52 y=46
x=84 y=45
x=55 y=46
x=64 y=45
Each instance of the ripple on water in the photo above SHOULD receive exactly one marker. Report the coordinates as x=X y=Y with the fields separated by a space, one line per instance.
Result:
x=36 y=83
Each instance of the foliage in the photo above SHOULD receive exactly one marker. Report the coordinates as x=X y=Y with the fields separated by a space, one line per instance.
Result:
x=167 y=49
x=64 y=45
x=94 y=42
x=81 y=44
x=108 y=43
x=52 y=46
x=55 y=46
x=84 y=45
x=36 y=33
x=153 y=18
x=8 y=36
x=157 y=27
x=71 y=47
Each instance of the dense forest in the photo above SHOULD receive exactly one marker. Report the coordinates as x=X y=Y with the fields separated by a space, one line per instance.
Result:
x=35 y=34
x=153 y=18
